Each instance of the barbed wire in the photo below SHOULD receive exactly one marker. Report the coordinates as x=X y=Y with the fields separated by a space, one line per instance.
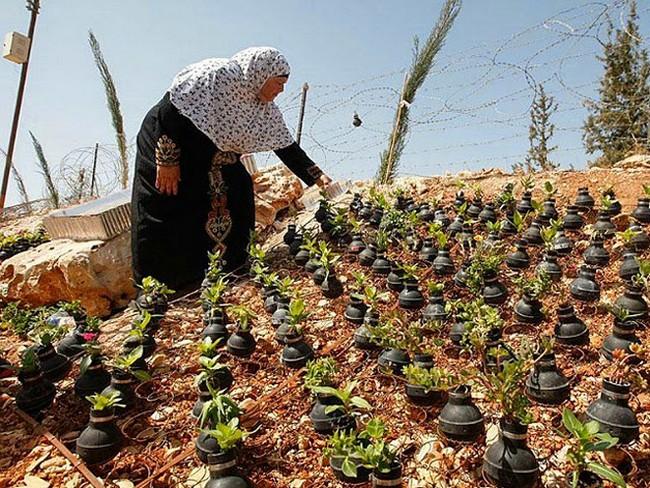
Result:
x=486 y=85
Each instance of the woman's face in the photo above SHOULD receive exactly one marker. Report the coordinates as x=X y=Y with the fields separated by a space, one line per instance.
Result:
x=272 y=88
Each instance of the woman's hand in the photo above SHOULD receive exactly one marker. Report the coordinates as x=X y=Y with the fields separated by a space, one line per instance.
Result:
x=167 y=178
x=323 y=181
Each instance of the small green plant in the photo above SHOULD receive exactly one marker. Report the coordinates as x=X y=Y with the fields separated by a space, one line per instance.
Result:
x=29 y=361
x=296 y=314
x=372 y=297
x=125 y=362
x=586 y=439
x=411 y=271
x=220 y=409
x=361 y=280
x=93 y=324
x=527 y=183
x=626 y=237
x=210 y=368
x=227 y=435
x=101 y=402
x=518 y=221
x=215 y=265
x=535 y=288
x=243 y=315
x=139 y=326
x=343 y=444
x=350 y=403
x=327 y=258
x=209 y=348
x=213 y=294
x=259 y=271
x=606 y=201
x=151 y=286
x=646 y=190
x=93 y=350
x=430 y=379
x=549 y=190
x=642 y=278
x=285 y=287
x=257 y=254
x=442 y=239
x=549 y=233
x=435 y=287
x=494 y=227
x=376 y=455
x=381 y=240
x=320 y=372
x=45 y=334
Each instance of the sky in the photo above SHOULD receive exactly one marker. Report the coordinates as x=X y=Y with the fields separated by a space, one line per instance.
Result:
x=471 y=113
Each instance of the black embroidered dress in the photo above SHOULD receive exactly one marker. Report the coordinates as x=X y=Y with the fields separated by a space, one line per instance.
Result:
x=214 y=208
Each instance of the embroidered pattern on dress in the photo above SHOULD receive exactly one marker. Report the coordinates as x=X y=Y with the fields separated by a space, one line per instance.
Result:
x=222 y=158
x=219 y=222
x=167 y=152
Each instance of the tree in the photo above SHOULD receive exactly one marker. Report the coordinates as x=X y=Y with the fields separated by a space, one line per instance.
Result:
x=422 y=63
x=52 y=192
x=618 y=123
x=113 y=107
x=540 y=132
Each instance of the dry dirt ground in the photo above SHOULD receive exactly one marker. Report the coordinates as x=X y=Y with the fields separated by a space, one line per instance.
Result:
x=283 y=450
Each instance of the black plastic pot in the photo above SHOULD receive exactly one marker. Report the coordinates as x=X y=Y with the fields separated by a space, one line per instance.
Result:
x=475 y=208
x=366 y=211
x=435 y=309
x=428 y=252
x=381 y=265
x=613 y=414
x=216 y=330
x=101 y=440
x=322 y=213
x=417 y=395
x=488 y=214
x=423 y=360
x=459 y=199
x=368 y=255
x=584 y=200
x=494 y=292
x=546 y=384
x=456 y=225
x=466 y=236
x=71 y=344
x=327 y=423
x=391 y=478
x=296 y=352
x=147 y=342
x=460 y=420
x=271 y=302
x=507 y=225
x=492 y=238
x=37 y=393
x=410 y=297
x=121 y=382
x=319 y=275
x=426 y=214
x=585 y=287
x=356 y=244
x=573 y=220
x=562 y=245
x=509 y=463
x=312 y=265
x=570 y=330
x=362 y=339
x=549 y=212
x=296 y=244
x=224 y=475
x=642 y=211
x=460 y=278
x=596 y=254
x=208 y=451
x=356 y=204
x=413 y=241
x=355 y=310
x=93 y=380
x=441 y=217
x=301 y=257
x=550 y=265
x=290 y=234
x=604 y=225
x=363 y=473
x=53 y=365
x=331 y=287
x=241 y=343
x=519 y=259
x=395 y=279
x=529 y=310
x=622 y=337
x=629 y=266
x=633 y=303
x=525 y=205
x=457 y=331
x=533 y=235
x=376 y=218
x=641 y=241
x=395 y=360
x=443 y=264
x=281 y=311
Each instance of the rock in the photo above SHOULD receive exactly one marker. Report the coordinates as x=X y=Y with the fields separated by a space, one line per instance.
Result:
x=35 y=482
x=96 y=273
x=276 y=188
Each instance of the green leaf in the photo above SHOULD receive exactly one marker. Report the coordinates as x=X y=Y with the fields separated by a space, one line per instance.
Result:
x=141 y=375
x=592 y=427
x=571 y=422
x=607 y=473
x=360 y=403
x=349 y=468
x=333 y=408
x=85 y=364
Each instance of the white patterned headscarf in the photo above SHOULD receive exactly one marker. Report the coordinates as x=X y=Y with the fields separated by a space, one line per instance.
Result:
x=220 y=96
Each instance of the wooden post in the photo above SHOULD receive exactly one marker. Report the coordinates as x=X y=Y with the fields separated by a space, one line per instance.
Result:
x=303 y=101
x=92 y=176
x=398 y=117
x=33 y=6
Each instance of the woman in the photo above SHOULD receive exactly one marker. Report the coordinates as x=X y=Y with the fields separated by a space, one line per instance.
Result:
x=191 y=194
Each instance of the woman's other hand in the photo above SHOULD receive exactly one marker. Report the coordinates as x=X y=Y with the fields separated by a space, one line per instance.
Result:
x=167 y=178
x=323 y=181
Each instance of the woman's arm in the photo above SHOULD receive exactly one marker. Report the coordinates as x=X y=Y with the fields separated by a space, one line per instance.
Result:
x=301 y=165
x=168 y=151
